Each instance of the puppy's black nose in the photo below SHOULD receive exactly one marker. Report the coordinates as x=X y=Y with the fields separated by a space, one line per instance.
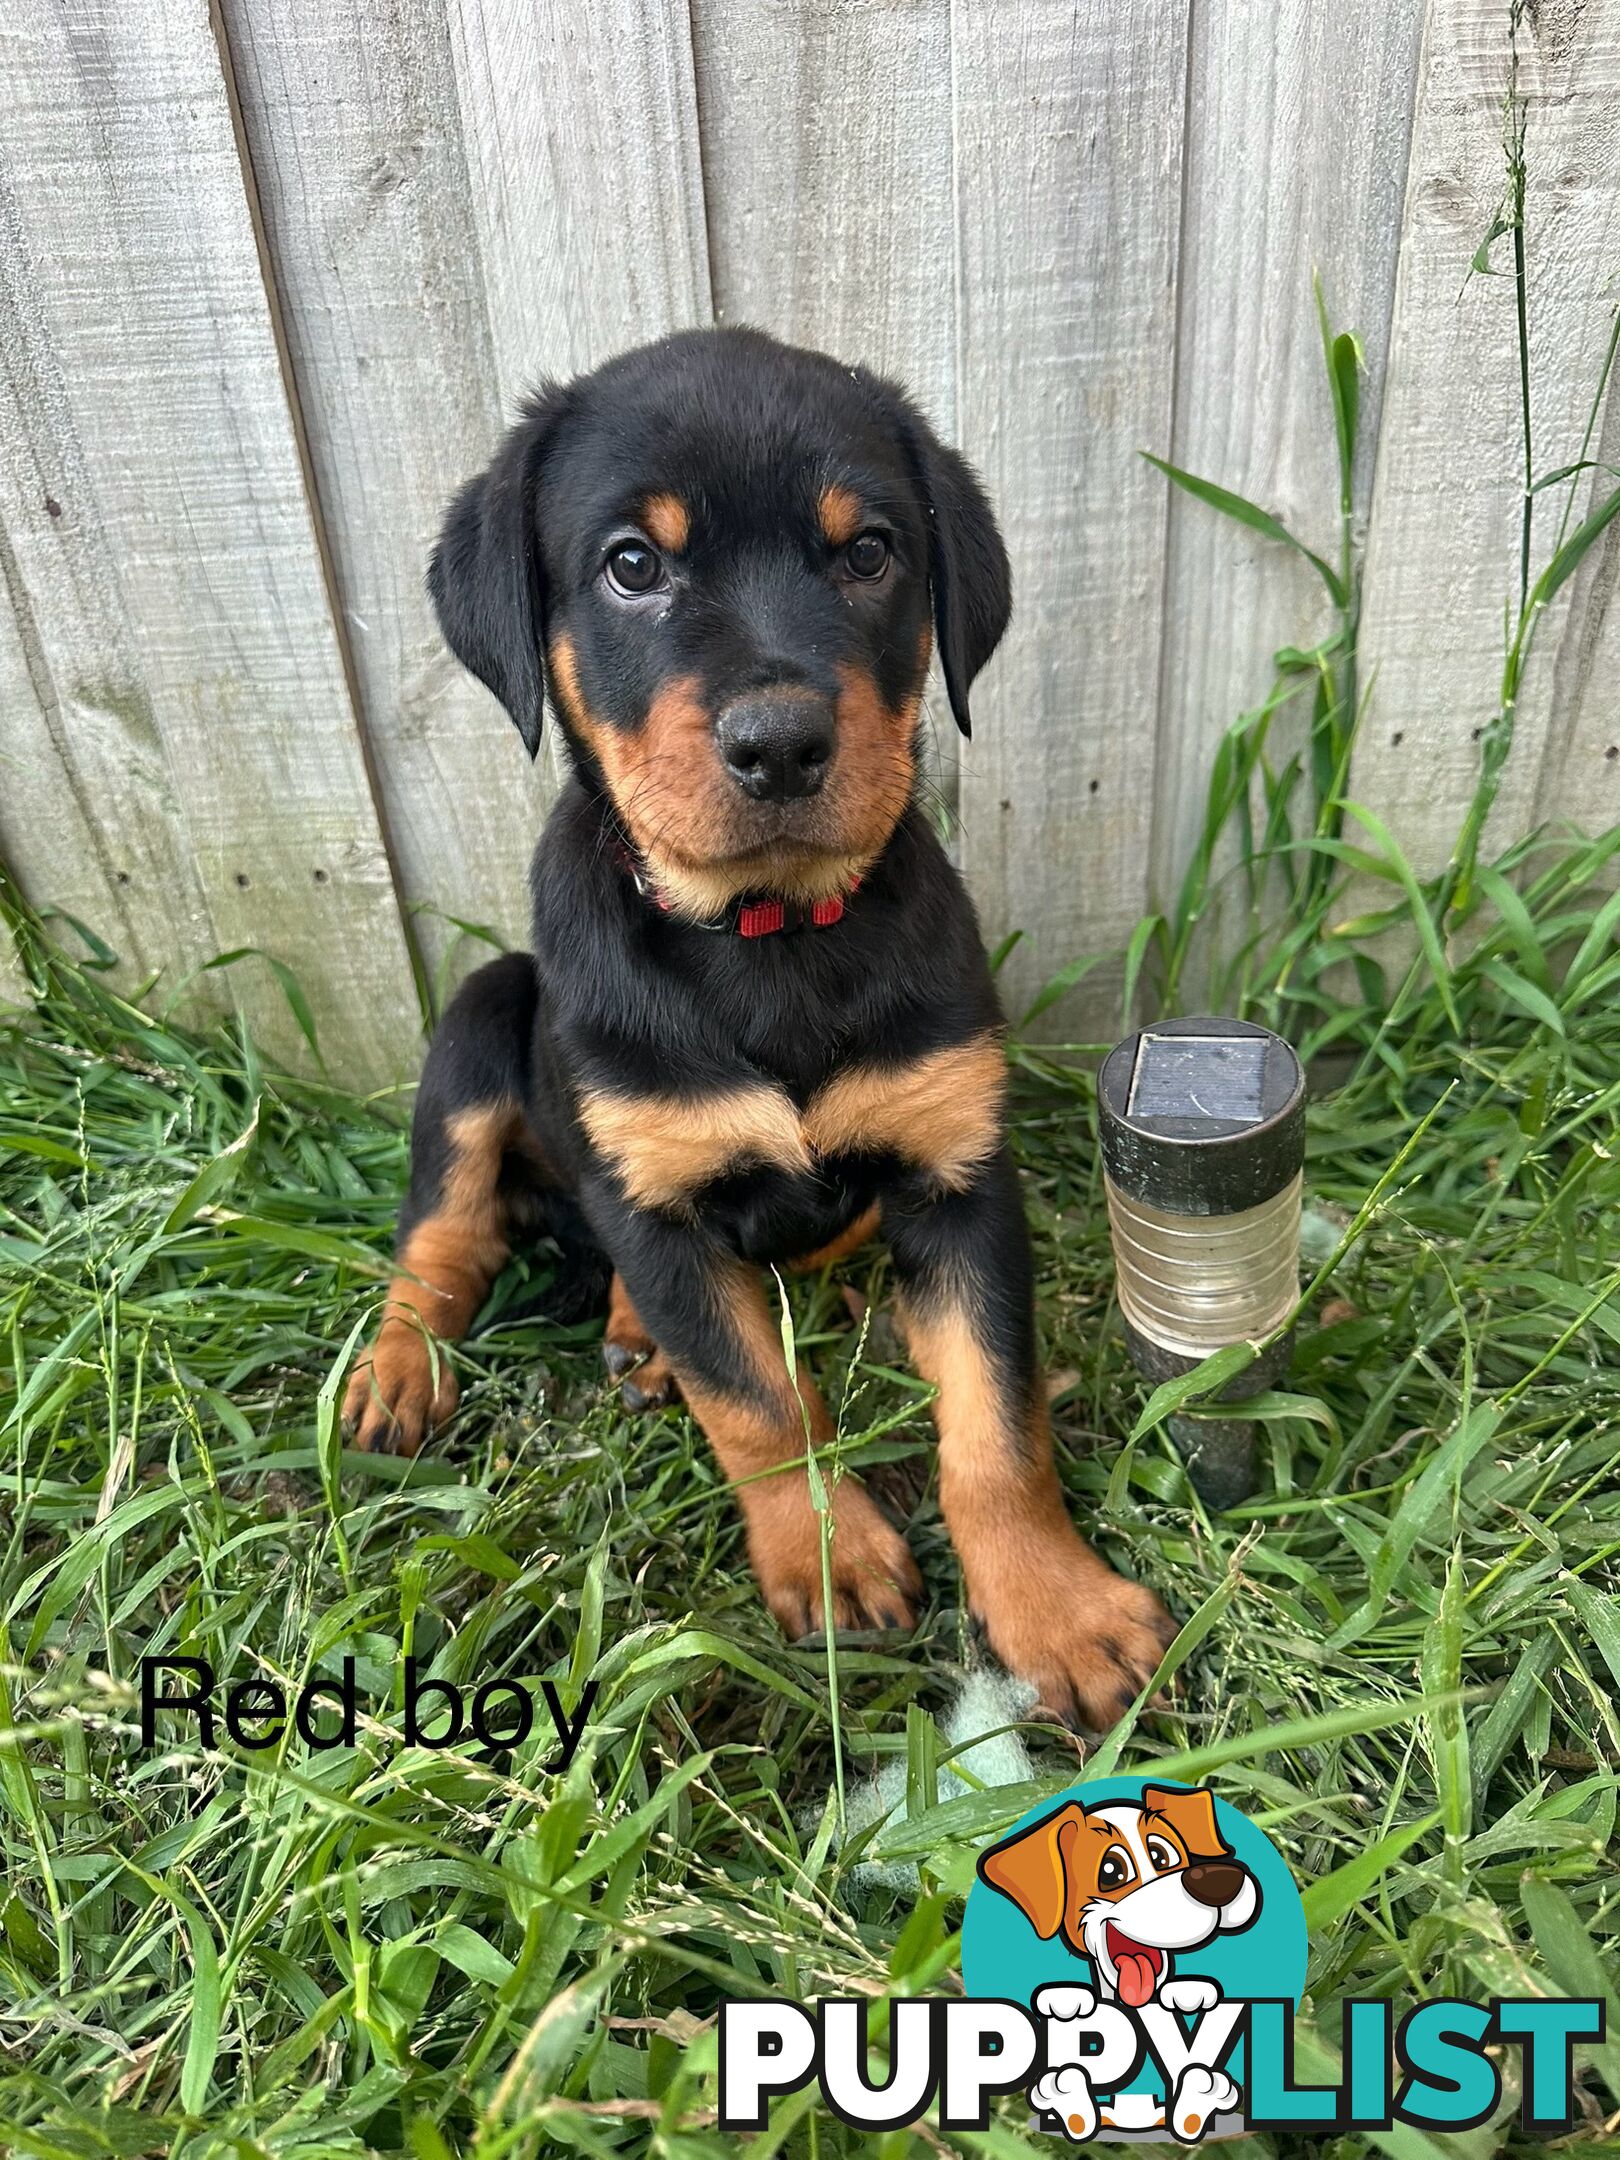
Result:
x=1213 y=1882
x=776 y=747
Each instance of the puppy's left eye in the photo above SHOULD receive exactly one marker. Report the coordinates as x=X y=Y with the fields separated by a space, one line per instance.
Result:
x=1162 y=1855
x=633 y=568
x=867 y=555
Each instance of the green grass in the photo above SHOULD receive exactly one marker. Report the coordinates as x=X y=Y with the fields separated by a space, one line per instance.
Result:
x=1402 y=1659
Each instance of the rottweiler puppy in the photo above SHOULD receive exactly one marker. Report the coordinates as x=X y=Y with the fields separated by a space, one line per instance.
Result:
x=757 y=1024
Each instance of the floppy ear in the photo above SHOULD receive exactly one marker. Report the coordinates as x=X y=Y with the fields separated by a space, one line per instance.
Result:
x=486 y=578
x=967 y=563
x=1192 y=1814
x=1032 y=1868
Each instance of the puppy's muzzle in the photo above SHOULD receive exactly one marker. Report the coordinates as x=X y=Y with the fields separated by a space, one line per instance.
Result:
x=777 y=746
x=1213 y=1882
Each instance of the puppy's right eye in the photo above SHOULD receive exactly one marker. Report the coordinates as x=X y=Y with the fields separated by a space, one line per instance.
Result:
x=1116 y=1869
x=633 y=568
x=867 y=555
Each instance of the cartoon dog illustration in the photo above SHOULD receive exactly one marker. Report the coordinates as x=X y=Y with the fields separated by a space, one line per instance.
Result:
x=1129 y=1885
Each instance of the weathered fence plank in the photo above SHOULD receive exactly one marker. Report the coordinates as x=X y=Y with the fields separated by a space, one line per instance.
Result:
x=72 y=754
x=1443 y=551
x=1068 y=120
x=456 y=209
x=355 y=141
x=1298 y=121
x=581 y=134
x=1580 y=772
x=33 y=772
x=827 y=160
x=454 y=199
x=159 y=536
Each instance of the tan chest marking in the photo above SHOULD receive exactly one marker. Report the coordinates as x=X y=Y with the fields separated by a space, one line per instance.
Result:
x=942 y=1113
x=666 y=1148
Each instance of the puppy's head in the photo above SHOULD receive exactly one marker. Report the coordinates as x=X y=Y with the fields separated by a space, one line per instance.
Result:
x=1127 y=1884
x=726 y=560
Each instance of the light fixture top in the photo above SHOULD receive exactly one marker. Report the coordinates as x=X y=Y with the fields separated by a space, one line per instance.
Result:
x=1202 y=1116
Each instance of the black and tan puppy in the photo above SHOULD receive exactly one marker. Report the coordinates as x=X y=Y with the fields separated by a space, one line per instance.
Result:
x=757 y=1022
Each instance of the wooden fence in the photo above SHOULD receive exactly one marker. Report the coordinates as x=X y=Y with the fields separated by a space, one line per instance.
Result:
x=271 y=274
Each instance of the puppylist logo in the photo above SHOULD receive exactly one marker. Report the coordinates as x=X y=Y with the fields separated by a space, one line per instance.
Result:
x=1132 y=1957
x=1157 y=1918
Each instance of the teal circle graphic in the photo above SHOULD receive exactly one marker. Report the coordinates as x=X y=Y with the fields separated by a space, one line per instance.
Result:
x=1003 y=1956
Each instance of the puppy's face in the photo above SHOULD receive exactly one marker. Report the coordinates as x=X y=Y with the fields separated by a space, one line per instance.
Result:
x=726 y=558
x=1127 y=1885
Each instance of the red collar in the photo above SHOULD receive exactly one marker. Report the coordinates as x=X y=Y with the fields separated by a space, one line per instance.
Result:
x=749 y=916
x=764 y=917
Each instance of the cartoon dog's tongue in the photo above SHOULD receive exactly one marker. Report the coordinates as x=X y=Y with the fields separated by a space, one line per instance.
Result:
x=1137 y=1969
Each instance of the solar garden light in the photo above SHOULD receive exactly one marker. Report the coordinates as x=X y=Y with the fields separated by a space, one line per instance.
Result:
x=1203 y=1144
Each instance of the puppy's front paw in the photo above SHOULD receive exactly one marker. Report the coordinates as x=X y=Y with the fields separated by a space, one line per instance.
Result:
x=1088 y=1640
x=1189 y=1997
x=1201 y=2095
x=875 y=1583
x=401 y=1391
x=1064 y=2003
x=1067 y=2094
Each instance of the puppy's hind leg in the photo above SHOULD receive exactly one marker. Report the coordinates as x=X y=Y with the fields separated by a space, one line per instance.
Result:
x=470 y=1164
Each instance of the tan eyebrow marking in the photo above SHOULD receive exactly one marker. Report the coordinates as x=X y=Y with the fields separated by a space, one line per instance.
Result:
x=668 y=521
x=841 y=514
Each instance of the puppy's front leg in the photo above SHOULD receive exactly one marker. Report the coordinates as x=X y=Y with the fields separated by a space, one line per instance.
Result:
x=1055 y=1613
x=708 y=1313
